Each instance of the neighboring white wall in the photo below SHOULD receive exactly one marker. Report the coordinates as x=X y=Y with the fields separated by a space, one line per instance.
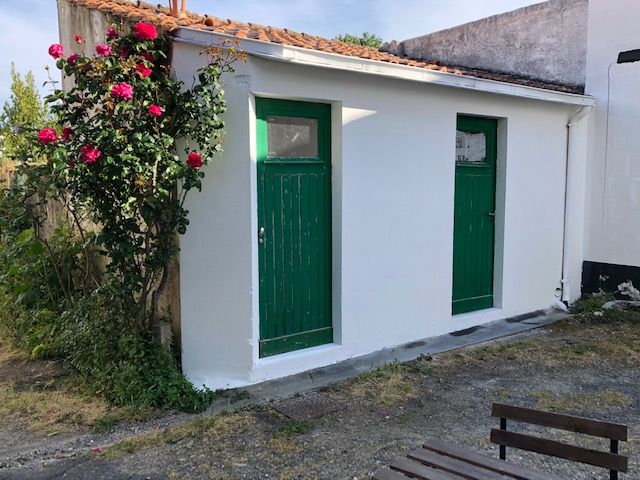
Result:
x=613 y=189
x=393 y=176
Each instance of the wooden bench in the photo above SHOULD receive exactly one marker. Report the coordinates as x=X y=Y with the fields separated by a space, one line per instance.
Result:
x=615 y=433
x=438 y=460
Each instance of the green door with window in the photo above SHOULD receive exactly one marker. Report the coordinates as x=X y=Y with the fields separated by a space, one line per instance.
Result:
x=474 y=217
x=294 y=224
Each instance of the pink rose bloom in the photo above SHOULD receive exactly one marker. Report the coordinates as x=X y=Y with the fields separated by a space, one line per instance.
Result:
x=66 y=133
x=145 y=31
x=56 y=51
x=143 y=71
x=48 y=136
x=155 y=110
x=194 y=160
x=73 y=59
x=90 y=155
x=103 y=50
x=111 y=33
x=122 y=91
x=79 y=39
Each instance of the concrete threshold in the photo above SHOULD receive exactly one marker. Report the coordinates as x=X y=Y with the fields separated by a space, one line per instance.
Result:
x=300 y=383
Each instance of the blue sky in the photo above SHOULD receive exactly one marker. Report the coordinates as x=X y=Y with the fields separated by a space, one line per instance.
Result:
x=28 y=27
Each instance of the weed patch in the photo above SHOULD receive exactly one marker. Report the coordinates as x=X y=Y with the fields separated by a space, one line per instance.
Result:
x=591 y=303
x=389 y=385
x=49 y=412
x=580 y=402
x=216 y=427
x=293 y=428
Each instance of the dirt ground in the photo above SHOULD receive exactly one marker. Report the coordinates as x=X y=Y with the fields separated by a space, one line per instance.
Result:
x=586 y=365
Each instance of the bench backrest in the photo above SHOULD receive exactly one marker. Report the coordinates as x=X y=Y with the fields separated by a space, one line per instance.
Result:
x=610 y=460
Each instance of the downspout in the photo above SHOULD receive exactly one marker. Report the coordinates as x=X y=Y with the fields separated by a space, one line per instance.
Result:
x=571 y=159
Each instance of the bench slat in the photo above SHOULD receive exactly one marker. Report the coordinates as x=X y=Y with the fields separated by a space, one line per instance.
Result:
x=484 y=461
x=386 y=474
x=552 y=448
x=563 y=422
x=454 y=466
x=420 y=471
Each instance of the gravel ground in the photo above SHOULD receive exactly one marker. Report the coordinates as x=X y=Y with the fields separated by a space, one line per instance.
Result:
x=585 y=365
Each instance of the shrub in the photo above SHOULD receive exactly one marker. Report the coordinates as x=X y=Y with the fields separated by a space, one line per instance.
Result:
x=126 y=367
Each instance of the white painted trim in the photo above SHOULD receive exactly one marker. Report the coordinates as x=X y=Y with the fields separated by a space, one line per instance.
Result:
x=315 y=58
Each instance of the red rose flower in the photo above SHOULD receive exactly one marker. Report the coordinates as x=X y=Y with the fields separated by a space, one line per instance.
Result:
x=103 y=50
x=111 y=33
x=66 y=133
x=56 y=51
x=145 y=31
x=79 y=38
x=143 y=71
x=148 y=56
x=124 y=52
x=122 y=91
x=48 y=136
x=155 y=110
x=73 y=59
x=90 y=154
x=194 y=160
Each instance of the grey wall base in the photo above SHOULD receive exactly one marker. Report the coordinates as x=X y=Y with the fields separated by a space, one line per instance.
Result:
x=320 y=377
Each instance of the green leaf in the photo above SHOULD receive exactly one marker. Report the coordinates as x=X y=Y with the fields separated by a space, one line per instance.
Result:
x=24 y=237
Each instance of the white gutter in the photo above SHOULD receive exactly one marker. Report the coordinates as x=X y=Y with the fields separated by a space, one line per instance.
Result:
x=319 y=59
x=571 y=191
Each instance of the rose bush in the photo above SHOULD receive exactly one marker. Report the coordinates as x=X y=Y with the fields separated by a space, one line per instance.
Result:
x=117 y=158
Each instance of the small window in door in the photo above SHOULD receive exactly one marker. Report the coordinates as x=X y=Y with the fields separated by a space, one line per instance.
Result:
x=292 y=137
x=471 y=147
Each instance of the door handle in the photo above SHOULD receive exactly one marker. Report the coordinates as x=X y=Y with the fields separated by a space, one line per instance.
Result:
x=261 y=235
x=492 y=214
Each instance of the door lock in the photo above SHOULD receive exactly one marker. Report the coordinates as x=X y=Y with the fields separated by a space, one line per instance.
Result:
x=261 y=235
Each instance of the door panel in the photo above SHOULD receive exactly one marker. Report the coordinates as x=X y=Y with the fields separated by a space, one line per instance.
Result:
x=474 y=214
x=294 y=225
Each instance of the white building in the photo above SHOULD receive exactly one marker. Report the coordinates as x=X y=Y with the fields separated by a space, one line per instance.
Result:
x=612 y=238
x=366 y=200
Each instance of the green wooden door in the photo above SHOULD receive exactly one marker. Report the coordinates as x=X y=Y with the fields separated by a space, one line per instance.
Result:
x=294 y=224
x=474 y=222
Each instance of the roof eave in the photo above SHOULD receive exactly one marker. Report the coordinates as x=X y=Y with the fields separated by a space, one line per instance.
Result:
x=316 y=58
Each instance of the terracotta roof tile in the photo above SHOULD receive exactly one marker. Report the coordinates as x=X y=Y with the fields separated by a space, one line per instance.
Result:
x=160 y=16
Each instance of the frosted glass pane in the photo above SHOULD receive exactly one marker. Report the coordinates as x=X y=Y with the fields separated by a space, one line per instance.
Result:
x=292 y=137
x=471 y=147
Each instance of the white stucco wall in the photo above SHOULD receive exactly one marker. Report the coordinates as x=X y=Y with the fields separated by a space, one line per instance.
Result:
x=613 y=189
x=393 y=188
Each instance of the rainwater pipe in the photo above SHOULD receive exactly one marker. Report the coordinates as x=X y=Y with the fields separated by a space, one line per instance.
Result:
x=571 y=190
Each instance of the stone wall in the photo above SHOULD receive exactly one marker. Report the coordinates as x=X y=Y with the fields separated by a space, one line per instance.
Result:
x=545 y=41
